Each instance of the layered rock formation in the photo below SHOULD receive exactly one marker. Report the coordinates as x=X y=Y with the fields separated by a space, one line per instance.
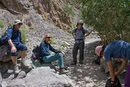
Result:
x=50 y=10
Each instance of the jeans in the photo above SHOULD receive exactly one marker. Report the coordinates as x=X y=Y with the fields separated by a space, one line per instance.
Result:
x=78 y=46
x=54 y=57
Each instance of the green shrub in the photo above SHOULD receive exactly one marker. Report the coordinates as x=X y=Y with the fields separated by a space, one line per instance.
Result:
x=68 y=10
x=53 y=42
x=2 y=24
x=23 y=34
x=31 y=27
x=111 y=18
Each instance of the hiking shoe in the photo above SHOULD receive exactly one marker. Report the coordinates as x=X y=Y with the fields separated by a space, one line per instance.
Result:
x=16 y=69
x=24 y=64
x=62 y=71
x=81 y=62
x=73 y=63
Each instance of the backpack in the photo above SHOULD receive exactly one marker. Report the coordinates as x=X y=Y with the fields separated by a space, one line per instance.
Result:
x=36 y=54
x=3 y=39
x=82 y=31
x=116 y=84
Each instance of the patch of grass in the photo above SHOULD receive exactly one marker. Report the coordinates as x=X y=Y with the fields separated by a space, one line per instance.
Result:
x=2 y=32
x=31 y=27
x=68 y=38
x=23 y=34
x=2 y=23
x=53 y=42
x=59 y=48
x=38 y=30
x=64 y=44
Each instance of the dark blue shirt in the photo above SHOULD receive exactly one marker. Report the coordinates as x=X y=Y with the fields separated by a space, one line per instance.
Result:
x=14 y=35
x=45 y=48
x=117 y=49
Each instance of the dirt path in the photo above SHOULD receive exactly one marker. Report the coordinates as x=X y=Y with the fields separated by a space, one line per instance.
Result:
x=88 y=74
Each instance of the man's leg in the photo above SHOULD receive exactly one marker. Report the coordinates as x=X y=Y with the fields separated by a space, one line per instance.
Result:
x=75 y=51
x=81 y=47
x=23 y=50
x=14 y=60
x=23 y=55
x=54 y=57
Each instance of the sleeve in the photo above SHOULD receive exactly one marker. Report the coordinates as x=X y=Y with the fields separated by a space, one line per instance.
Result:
x=9 y=34
x=43 y=50
x=20 y=36
x=107 y=54
x=73 y=31
x=54 y=50
x=85 y=31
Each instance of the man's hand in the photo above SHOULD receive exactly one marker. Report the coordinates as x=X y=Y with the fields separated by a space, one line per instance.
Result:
x=13 y=49
x=63 y=53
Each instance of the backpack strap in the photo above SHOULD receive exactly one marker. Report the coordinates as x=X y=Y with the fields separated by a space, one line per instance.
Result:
x=81 y=29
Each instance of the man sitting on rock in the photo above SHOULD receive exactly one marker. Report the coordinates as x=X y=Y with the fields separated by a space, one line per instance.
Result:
x=45 y=47
x=15 y=44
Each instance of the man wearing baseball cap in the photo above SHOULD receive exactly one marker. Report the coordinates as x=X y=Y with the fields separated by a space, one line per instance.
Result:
x=15 y=43
x=45 y=47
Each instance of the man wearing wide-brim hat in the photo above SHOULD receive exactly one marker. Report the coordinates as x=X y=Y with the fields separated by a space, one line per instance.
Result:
x=15 y=43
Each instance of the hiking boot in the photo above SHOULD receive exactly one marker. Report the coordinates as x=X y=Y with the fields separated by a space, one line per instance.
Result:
x=81 y=62
x=16 y=69
x=62 y=71
x=24 y=64
x=74 y=63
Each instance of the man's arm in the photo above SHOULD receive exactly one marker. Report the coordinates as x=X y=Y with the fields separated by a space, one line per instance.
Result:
x=87 y=34
x=54 y=50
x=73 y=35
x=123 y=64
x=111 y=70
x=13 y=48
x=9 y=35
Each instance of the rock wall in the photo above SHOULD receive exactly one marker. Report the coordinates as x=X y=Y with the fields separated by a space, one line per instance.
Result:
x=50 y=10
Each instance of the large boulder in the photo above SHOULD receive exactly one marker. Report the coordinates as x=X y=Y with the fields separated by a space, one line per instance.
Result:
x=16 y=6
x=39 y=77
x=4 y=54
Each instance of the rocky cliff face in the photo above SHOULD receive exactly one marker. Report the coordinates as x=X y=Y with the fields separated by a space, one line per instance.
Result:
x=39 y=17
x=50 y=10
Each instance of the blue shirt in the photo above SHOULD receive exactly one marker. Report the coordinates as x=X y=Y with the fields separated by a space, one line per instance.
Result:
x=117 y=49
x=79 y=34
x=14 y=35
x=45 y=48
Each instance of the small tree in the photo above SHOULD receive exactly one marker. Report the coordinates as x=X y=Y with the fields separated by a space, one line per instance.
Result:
x=111 y=18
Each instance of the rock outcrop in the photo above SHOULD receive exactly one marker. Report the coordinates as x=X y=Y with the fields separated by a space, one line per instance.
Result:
x=16 y=6
x=50 y=10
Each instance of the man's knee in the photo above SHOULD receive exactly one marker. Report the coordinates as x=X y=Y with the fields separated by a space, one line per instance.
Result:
x=14 y=54
x=60 y=54
x=23 y=48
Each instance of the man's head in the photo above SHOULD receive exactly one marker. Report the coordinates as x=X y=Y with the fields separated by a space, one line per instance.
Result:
x=47 y=38
x=17 y=24
x=99 y=51
x=79 y=24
